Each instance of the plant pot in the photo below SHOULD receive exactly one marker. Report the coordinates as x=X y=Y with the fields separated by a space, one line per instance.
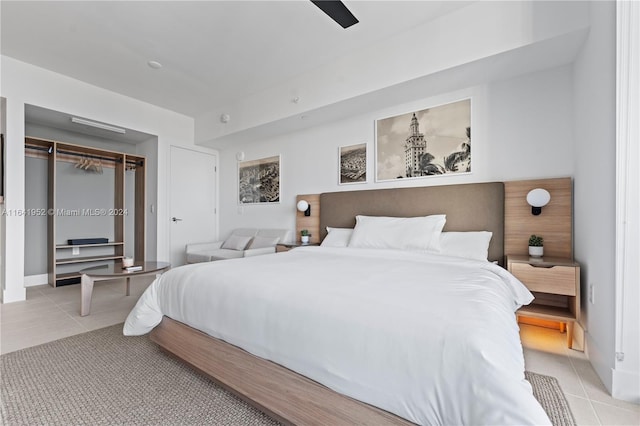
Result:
x=536 y=251
x=305 y=239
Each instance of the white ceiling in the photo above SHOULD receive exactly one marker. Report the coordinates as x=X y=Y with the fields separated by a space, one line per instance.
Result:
x=212 y=51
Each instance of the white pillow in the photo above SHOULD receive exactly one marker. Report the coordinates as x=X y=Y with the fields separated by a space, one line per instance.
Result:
x=404 y=233
x=236 y=242
x=262 y=242
x=470 y=245
x=337 y=237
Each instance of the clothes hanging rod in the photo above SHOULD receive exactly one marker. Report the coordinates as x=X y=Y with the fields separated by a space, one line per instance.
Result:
x=95 y=157
x=78 y=154
x=38 y=148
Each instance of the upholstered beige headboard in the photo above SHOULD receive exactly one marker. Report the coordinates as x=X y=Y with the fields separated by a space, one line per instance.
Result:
x=469 y=207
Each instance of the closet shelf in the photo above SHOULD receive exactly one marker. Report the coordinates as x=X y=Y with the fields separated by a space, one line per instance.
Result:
x=70 y=260
x=68 y=246
x=67 y=276
x=553 y=313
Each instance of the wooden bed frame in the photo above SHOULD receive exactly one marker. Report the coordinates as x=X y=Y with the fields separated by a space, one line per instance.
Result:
x=294 y=399
x=282 y=394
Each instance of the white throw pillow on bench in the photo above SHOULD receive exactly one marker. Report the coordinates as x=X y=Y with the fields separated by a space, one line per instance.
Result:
x=236 y=242
x=263 y=242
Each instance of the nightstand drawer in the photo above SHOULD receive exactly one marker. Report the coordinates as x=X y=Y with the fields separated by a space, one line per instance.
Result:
x=556 y=279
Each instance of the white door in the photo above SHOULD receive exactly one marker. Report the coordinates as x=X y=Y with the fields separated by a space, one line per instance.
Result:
x=193 y=200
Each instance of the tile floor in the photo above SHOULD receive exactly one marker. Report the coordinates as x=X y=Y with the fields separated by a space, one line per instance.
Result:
x=49 y=314
x=53 y=313
x=546 y=352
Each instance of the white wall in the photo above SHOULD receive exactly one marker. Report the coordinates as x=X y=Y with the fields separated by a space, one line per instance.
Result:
x=22 y=84
x=521 y=128
x=149 y=149
x=626 y=375
x=595 y=185
x=3 y=108
x=466 y=36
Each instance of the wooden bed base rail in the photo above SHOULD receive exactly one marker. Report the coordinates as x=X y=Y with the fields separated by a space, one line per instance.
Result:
x=277 y=391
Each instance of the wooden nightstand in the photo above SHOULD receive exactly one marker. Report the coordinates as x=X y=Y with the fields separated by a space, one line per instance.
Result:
x=281 y=247
x=555 y=283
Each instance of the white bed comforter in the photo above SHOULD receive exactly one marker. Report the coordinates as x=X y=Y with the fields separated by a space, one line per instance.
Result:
x=430 y=338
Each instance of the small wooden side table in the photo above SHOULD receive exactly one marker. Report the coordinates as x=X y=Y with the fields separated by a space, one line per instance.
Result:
x=113 y=271
x=555 y=282
x=282 y=247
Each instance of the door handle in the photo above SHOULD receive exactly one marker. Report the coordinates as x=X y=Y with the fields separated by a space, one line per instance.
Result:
x=175 y=219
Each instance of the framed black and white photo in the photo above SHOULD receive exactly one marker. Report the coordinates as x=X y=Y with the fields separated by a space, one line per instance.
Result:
x=259 y=181
x=433 y=141
x=353 y=164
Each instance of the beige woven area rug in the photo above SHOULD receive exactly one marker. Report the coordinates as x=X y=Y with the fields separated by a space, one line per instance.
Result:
x=104 y=378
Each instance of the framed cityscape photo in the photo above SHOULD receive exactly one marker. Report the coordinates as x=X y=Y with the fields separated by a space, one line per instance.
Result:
x=259 y=181
x=353 y=164
x=431 y=142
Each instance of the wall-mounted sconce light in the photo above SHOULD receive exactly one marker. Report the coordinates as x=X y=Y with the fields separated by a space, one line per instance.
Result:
x=225 y=118
x=303 y=206
x=537 y=199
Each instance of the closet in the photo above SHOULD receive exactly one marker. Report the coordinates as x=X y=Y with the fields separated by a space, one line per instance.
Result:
x=107 y=219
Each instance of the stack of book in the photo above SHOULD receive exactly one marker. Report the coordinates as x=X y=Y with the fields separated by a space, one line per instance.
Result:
x=133 y=268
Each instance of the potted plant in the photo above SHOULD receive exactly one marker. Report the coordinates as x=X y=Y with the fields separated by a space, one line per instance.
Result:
x=535 y=246
x=304 y=236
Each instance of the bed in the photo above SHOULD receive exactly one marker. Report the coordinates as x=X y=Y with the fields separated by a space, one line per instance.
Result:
x=355 y=333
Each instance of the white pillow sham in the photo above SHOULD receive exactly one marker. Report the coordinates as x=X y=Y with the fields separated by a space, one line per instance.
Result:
x=337 y=237
x=403 y=233
x=470 y=245
x=236 y=242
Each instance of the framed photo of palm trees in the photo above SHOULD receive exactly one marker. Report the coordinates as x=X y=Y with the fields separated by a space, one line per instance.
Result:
x=434 y=141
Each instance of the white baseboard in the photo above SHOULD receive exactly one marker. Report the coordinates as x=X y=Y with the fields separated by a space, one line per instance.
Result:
x=33 y=280
x=626 y=385
x=600 y=362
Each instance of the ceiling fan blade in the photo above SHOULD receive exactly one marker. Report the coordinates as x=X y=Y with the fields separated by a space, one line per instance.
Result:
x=337 y=11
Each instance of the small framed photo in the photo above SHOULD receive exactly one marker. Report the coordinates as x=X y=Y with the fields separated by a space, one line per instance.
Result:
x=353 y=164
x=259 y=181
